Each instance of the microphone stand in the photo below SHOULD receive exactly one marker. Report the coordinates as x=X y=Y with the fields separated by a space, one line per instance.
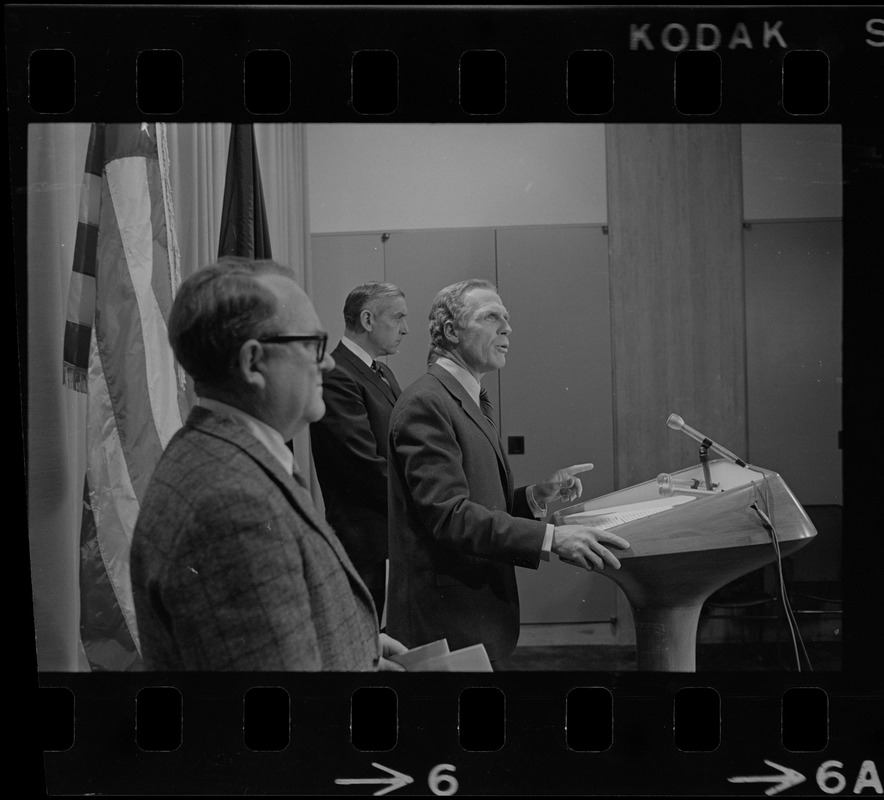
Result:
x=704 y=460
x=677 y=424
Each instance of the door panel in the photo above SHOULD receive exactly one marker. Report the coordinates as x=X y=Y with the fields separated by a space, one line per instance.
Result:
x=556 y=391
x=340 y=263
x=677 y=300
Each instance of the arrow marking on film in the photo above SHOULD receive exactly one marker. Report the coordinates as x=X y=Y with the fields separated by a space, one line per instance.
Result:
x=785 y=780
x=396 y=781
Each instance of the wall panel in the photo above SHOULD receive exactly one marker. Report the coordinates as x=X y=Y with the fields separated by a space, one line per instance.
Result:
x=421 y=176
x=794 y=335
x=676 y=292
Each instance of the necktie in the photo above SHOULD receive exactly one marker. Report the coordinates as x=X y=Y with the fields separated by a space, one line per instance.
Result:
x=379 y=368
x=486 y=406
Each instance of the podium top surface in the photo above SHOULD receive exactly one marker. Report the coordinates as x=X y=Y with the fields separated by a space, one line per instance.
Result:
x=658 y=525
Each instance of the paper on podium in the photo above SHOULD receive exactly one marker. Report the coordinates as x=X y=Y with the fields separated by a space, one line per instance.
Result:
x=436 y=657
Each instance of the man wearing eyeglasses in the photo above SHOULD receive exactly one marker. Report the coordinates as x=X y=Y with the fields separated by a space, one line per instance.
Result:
x=232 y=566
x=349 y=443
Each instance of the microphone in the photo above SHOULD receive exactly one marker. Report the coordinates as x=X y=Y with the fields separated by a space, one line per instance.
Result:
x=669 y=486
x=678 y=424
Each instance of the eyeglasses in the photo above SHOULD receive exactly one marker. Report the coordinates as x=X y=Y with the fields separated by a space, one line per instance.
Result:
x=321 y=340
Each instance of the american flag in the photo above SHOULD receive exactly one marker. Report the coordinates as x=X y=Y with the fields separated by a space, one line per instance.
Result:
x=116 y=349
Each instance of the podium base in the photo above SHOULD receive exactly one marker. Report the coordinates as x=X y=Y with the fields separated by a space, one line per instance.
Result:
x=666 y=638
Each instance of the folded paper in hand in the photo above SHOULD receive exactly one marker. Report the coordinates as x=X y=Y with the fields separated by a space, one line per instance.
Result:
x=436 y=657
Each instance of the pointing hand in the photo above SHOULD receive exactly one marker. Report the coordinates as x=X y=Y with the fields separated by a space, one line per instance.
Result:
x=561 y=485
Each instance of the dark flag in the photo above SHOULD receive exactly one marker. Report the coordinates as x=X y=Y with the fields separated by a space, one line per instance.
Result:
x=243 y=216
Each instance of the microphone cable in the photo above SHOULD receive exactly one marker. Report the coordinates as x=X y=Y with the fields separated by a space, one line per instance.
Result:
x=764 y=514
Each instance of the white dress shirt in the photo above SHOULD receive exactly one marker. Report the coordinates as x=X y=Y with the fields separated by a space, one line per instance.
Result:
x=264 y=433
x=357 y=351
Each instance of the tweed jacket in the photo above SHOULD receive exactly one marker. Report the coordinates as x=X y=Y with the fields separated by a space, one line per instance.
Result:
x=349 y=447
x=457 y=527
x=233 y=569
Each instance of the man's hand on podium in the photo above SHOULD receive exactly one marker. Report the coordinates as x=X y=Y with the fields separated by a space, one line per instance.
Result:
x=586 y=547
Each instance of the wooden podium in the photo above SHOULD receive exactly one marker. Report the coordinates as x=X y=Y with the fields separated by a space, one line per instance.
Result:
x=680 y=555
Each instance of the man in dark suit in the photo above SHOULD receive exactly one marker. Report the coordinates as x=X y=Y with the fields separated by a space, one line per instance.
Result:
x=349 y=443
x=232 y=567
x=457 y=526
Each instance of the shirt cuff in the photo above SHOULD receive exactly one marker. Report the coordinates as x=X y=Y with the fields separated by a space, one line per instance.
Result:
x=546 y=548
x=538 y=510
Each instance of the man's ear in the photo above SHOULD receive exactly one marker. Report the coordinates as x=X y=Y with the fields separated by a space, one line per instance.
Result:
x=449 y=331
x=251 y=363
x=367 y=319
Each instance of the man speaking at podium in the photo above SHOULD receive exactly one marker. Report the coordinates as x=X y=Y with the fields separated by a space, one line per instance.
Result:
x=457 y=526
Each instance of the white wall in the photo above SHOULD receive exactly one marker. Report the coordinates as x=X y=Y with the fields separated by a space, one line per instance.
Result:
x=791 y=172
x=367 y=177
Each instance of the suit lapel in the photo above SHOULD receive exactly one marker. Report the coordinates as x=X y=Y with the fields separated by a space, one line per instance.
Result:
x=391 y=391
x=473 y=411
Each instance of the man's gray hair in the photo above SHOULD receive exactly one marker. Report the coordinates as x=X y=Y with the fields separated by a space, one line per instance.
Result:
x=216 y=309
x=367 y=296
x=450 y=304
